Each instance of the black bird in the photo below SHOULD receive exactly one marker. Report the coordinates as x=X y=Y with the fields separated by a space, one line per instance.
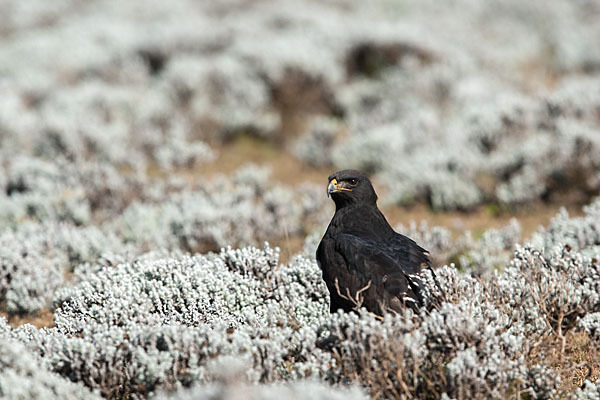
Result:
x=365 y=263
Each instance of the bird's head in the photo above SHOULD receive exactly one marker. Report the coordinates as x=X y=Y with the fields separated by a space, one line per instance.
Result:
x=350 y=187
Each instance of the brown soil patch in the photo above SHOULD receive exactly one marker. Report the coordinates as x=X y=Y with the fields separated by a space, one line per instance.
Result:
x=531 y=218
x=246 y=149
x=41 y=319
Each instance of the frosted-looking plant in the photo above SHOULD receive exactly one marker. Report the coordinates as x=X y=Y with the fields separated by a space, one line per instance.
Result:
x=437 y=117
x=170 y=315
x=239 y=211
x=24 y=376
x=591 y=391
x=103 y=136
x=310 y=390
x=478 y=257
x=579 y=233
x=233 y=288
x=36 y=258
x=60 y=190
x=477 y=334
x=590 y=323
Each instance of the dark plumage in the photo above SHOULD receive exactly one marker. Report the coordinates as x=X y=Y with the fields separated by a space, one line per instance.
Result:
x=363 y=260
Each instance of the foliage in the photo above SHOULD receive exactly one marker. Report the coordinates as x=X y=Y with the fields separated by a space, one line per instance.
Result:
x=113 y=118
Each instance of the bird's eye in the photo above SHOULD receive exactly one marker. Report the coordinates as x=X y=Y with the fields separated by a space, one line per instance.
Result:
x=353 y=182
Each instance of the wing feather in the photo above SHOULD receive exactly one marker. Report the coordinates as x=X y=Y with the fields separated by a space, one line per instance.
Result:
x=390 y=272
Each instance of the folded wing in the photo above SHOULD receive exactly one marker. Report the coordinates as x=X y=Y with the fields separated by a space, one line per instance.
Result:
x=378 y=276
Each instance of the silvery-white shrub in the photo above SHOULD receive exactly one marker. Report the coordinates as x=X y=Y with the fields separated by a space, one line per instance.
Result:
x=579 y=233
x=310 y=390
x=24 y=376
x=476 y=256
x=590 y=323
x=35 y=259
x=244 y=210
x=314 y=146
x=170 y=315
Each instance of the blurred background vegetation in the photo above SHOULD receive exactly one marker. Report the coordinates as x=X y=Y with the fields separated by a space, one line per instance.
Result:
x=190 y=126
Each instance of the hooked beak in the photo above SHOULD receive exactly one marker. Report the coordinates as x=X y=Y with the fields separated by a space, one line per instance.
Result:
x=333 y=187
